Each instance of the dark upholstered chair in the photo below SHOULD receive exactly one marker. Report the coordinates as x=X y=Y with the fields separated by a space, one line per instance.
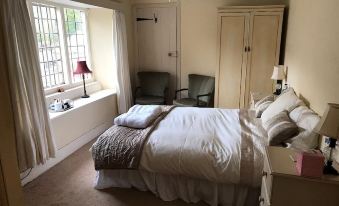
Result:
x=153 y=88
x=200 y=92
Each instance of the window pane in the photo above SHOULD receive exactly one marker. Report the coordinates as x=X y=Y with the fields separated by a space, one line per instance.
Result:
x=48 y=40
x=76 y=38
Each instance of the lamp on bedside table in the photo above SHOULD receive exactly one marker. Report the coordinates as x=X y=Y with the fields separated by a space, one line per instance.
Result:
x=82 y=69
x=329 y=127
x=279 y=75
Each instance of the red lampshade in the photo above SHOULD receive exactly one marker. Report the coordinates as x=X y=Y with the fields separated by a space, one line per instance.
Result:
x=82 y=68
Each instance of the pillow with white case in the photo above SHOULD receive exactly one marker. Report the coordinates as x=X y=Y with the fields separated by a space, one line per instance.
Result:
x=280 y=128
x=285 y=102
x=262 y=105
x=261 y=108
x=306 y=120
x=263 y=100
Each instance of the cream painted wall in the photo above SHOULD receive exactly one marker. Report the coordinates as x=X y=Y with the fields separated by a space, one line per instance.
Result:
x=125 y=7
x=101 y=43
x=199 y=33
x=311 y=53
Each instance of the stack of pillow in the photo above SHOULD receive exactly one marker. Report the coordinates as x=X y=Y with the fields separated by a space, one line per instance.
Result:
x=288 y=121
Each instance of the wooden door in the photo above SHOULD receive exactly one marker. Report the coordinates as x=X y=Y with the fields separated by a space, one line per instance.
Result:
x=264 y=51
x=233 y=31
x=156 y=35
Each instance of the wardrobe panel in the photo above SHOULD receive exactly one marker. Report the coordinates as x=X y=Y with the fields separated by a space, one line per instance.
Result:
x=264 y=52
x=232 y=45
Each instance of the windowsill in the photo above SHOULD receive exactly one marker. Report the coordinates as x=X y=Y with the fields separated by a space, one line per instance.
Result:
x=54 y=90
x=74 y=93
x=80 y=102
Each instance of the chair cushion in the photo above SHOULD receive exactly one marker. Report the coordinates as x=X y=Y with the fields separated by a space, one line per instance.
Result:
x=188 y=102
x=144 y=100
x=198 y=85
x=153 y=83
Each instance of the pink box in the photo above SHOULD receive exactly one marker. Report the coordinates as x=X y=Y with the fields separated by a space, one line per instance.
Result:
x=310 y=164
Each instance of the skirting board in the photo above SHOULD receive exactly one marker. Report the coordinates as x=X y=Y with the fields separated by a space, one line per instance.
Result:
x=66 y=151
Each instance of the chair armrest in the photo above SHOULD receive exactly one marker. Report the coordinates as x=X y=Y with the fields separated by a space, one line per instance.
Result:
x=166 y=94
x=179 y=90
x=202 y=95
x=136 y=92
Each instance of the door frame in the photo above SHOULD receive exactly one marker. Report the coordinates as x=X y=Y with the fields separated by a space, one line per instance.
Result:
x=178 y=36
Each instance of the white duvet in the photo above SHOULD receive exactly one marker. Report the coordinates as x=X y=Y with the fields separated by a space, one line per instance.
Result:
x=205 y=143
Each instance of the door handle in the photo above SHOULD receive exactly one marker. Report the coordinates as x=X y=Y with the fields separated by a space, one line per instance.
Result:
x=173 y=54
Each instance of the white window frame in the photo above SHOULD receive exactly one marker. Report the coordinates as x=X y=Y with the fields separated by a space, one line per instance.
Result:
x=67 y=68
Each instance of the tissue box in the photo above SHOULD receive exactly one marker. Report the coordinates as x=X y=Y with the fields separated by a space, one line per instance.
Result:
x=310 y=164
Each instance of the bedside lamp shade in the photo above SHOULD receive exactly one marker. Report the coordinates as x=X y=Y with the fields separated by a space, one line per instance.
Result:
x=329 y=123
x=82 y=68
x=278 y=73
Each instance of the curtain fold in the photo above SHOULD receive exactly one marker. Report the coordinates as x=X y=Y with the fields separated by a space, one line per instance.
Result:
x=34 y=141
x=120 y=55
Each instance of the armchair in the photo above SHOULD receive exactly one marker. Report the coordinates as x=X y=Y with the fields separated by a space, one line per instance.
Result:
x=153 y=88
x=200 y=92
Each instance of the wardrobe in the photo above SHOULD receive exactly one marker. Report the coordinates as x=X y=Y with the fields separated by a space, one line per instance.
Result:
x=248 y=48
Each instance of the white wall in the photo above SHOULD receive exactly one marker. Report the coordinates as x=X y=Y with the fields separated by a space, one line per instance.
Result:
x=199 y=33
x=125 y=7
x=312 y=54
x=101 y=44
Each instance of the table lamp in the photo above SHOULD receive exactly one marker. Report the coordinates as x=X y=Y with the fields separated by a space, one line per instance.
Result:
x=279 y=75
x=82 y=69
x=329 y=127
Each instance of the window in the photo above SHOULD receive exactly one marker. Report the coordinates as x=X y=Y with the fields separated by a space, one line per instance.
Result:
x=76 y=37
x=62 y=38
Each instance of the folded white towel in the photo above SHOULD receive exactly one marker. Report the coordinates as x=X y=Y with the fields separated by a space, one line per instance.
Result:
x=138 y=116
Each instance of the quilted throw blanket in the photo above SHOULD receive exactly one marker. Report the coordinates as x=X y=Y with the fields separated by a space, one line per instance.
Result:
x=121 y=147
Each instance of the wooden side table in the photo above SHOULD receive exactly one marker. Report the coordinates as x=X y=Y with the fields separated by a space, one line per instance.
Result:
x=281 y=186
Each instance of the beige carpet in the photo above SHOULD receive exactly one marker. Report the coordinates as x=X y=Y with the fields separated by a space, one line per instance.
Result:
x=71 y=183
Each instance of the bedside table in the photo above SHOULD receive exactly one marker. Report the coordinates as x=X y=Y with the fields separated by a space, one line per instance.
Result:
x=281 y=186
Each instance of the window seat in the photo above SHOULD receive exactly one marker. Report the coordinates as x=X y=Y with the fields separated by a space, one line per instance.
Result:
x=86 y=115
x=80 y=102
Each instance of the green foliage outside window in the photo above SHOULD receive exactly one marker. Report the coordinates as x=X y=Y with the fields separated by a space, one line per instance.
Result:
x=72 y=16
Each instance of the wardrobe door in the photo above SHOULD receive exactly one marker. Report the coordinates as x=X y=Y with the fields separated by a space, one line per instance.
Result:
x=265 y=29
x=233 y=29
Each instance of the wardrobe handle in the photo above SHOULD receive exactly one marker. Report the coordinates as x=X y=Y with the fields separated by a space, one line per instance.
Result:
x=245 y=48
x=248 y=49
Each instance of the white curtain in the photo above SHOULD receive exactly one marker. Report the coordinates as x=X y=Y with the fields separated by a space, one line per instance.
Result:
x=33 y=135
x=120 y=54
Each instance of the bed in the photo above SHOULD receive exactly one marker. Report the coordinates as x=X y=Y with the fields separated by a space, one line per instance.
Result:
x=205 y=154
x=208 y=154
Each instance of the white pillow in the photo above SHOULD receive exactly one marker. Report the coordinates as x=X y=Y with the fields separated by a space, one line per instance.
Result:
x=263 y=100
x=306 y=120
x=280 y=128
x=285 y=102
x=261 y=108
